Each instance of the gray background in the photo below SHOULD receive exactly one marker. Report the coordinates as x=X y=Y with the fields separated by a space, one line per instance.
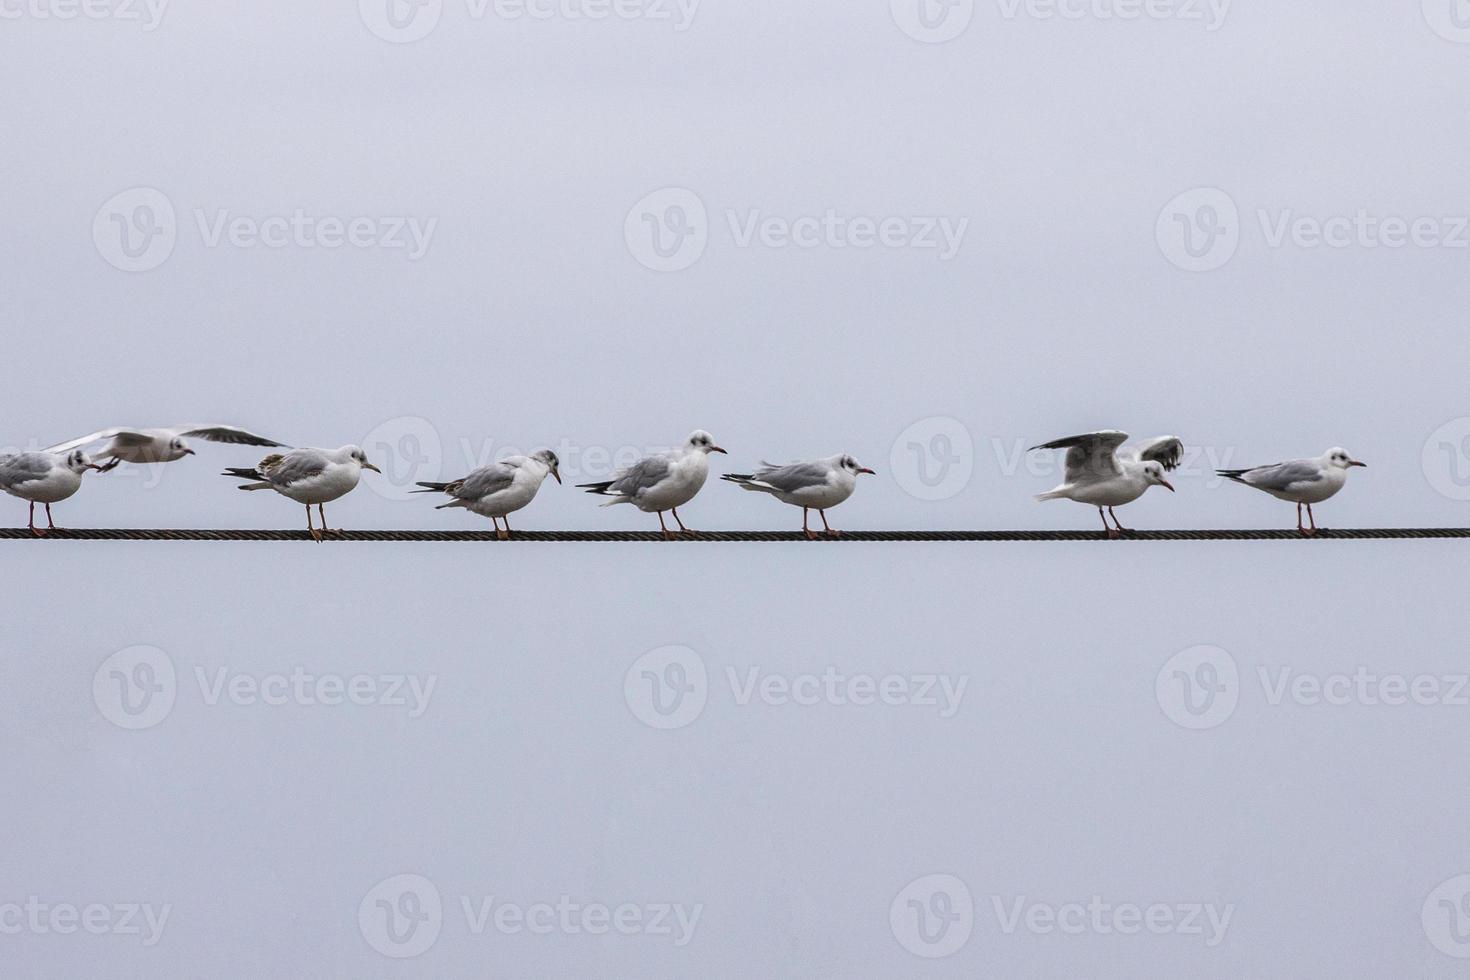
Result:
x=531 y=322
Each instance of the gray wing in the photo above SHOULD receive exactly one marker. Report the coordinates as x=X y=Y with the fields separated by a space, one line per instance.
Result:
x=1281 y=476
x=295 y=466
x=23 y=468
x=640 y=476
x=1091 y=455
x=125 y=435
x=224 y=433
x=793 y=476
x=484 y=481
x=1167 y=451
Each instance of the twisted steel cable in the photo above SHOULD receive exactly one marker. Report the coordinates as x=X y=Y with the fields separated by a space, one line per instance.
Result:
x=221 y=534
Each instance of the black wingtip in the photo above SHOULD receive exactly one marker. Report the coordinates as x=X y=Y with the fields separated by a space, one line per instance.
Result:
x=738 y=477
x=430 y=487
x=241 y=474
x=594 y=487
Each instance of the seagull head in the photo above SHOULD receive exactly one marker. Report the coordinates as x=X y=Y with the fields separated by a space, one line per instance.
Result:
x=1154 y=474
x=701 y=441
x=547 y=457
x=356 y=453
x=179 y=448
x=79 y=462
x=851 y=465
x=1338 y=458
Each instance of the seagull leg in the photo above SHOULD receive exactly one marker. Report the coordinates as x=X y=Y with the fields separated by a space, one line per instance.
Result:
x=504 y=535
x=668 y=535
x=830 y=533
x=32 y=524
x=682 y=528
x=1118 y=522
x=1312 y=517
x=315 y=534
x=1300 y=529
x=110 y=465
x=323 y=512
x=50 y=524
x=804 y=529
x=1106 y=526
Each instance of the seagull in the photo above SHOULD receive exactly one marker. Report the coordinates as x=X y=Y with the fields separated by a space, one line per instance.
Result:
x=1301 y=481
x=165 y=445
x=662 y=482
x=1097 y=474
x=308 y=476
x=496 y=490
x=821 y=484
x=44 y=478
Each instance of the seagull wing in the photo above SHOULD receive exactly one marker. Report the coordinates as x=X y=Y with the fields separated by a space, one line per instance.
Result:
x=224 y=433
x=1090 y=456
x=794 y=476
x=294 y=467
x=23 y=468
x=484 y=481
x=643 y=475
x=1167 y=451
x=1282 y=476
x=127 y=435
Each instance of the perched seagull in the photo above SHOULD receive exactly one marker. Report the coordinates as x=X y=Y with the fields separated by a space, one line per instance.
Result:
x=655 y=484
x=821 y=484
x=44 y=478
x=496 y=490
x=308 y=476
x=1301 y=481
x=1097 y=474
x=159 y=445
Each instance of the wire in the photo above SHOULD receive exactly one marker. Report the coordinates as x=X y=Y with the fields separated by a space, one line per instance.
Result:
x=213 y=534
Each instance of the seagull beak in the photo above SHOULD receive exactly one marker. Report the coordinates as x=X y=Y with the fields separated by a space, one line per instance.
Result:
x=369 y=466
x=717 y=449
x=94 y=466
x=188 y=452
x=1167 y=485
x=864 y=469
x=557 y=475
x=1354 y=462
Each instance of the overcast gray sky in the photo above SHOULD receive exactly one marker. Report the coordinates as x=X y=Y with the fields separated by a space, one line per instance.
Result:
x=928 y=234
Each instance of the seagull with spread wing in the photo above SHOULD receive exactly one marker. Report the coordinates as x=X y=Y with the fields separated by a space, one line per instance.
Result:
x=1303 y=482
x=662 y=482
x=164 y=445
x=497 y=490
x=308 y=476
x=1098 y=474
x=821 y=484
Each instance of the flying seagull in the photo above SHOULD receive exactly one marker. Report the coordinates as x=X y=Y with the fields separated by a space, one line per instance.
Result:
x=1098 y=474
x=1301 y=481
x=496 y=490
x=662 y=482
x=308 y=476
x=128 y=445
x=821 y=484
